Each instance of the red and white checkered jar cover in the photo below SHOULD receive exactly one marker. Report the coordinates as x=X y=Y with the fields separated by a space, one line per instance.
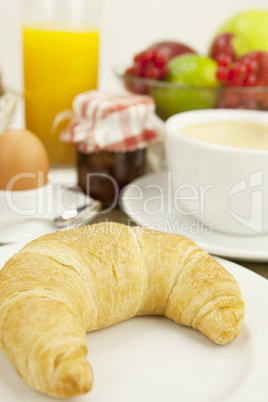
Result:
x=111 y=122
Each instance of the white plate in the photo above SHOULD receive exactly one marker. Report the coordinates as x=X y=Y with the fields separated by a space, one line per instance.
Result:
x=148 y=201
x=57 y=198
x=152 y=359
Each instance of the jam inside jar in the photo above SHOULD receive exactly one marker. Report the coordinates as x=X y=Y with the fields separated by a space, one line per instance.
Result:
x=104 y=174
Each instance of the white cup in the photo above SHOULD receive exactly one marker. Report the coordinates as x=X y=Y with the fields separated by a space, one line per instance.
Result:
x=27 y=203
x=226 y=187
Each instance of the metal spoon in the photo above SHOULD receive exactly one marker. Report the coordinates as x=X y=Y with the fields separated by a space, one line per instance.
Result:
x=79 y=216
x=68 y=218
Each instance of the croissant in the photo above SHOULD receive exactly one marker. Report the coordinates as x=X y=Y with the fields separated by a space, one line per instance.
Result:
x=65 y=284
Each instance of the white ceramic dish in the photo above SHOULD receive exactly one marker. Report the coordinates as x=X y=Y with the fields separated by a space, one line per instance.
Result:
x=152 y=359
x=147 y=201
x=53 y=199
x=224 y=185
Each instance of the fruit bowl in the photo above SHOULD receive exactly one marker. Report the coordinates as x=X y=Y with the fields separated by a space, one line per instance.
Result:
x=171 y=98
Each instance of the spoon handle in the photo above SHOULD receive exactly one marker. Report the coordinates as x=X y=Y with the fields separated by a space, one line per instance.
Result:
x=83 y=215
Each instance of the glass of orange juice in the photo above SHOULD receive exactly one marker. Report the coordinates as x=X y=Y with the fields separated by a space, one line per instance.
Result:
x=60 y=54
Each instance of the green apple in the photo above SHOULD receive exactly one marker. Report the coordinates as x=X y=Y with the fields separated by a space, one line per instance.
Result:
x=241 y=45
x=170 y=101
x=188 y=73
x=252 y=26
x=194 y=70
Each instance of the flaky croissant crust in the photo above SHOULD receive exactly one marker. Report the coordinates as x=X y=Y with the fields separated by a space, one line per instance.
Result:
x=65 y=284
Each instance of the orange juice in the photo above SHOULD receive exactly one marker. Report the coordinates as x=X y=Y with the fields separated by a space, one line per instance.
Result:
x=58 y=64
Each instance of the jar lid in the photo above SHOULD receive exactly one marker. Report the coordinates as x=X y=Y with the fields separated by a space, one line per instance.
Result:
x=111 y=122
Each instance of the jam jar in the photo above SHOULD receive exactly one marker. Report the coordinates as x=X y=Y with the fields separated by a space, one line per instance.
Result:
x=104 y=174
x=111 y=133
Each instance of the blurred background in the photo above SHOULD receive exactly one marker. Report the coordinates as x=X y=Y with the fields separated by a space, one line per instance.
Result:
x=126 y=28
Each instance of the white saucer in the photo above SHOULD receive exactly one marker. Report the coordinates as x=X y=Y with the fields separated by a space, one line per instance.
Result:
x=58 y=197
x=147 y=202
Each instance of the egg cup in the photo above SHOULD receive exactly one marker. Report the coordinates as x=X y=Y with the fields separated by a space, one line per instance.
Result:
x=18 y=204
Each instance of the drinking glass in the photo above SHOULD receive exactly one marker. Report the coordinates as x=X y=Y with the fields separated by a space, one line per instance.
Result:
x=60 y=53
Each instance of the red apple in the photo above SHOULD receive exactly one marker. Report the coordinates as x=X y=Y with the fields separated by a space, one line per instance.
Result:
x=228 y=44
x=173 y=49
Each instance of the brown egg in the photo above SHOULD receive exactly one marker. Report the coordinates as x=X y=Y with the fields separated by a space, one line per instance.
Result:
x=24 y=163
